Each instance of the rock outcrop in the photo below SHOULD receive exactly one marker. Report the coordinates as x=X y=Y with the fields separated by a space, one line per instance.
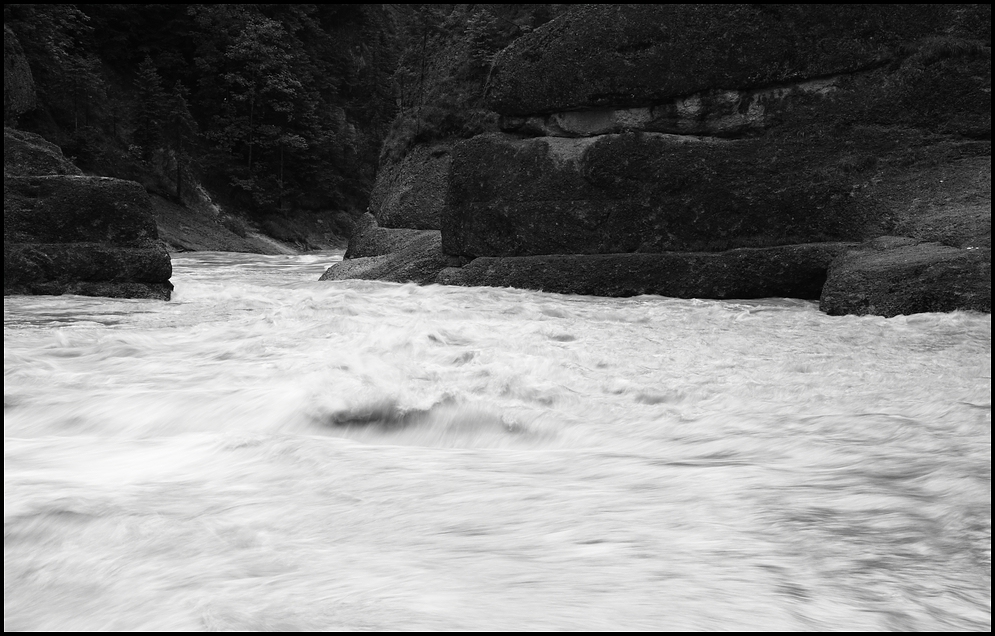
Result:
x=69 y=233
x=733 y=151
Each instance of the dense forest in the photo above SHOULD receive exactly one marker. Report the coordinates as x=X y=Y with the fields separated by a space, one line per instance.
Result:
x=271 y=108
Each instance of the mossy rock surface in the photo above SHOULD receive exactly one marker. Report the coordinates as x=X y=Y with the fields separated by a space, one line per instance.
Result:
x=65 y=233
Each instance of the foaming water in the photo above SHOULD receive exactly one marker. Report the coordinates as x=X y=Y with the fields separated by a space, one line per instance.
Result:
x=270 y=452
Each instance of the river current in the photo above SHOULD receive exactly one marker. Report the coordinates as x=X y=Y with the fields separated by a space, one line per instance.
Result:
x=267 y=451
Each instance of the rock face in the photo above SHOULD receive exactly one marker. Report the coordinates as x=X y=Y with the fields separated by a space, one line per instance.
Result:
x=69 y=233
x=734 y=151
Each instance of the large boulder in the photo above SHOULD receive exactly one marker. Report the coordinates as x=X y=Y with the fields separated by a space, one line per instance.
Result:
x=76 y=209
x=891 y=276
x=86 y=269
x=68 y=233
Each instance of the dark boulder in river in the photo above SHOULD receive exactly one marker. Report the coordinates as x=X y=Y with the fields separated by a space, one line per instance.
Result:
x=69 y=233
x=665 y=142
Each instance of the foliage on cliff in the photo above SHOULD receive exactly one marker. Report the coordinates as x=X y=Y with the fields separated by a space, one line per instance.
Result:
x=272 y=106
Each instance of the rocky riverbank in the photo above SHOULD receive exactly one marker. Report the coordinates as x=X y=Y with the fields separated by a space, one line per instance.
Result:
x=709 y=152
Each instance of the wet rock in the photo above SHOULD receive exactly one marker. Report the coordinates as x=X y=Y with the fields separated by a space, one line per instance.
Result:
x=892 y=276
x=794 y=271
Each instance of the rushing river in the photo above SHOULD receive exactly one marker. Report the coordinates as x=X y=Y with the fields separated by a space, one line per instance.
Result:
x=267 y=451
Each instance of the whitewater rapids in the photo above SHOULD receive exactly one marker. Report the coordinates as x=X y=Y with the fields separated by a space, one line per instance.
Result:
x=269 y=452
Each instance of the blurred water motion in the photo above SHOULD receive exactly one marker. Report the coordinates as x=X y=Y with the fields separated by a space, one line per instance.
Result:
x=271 y=452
